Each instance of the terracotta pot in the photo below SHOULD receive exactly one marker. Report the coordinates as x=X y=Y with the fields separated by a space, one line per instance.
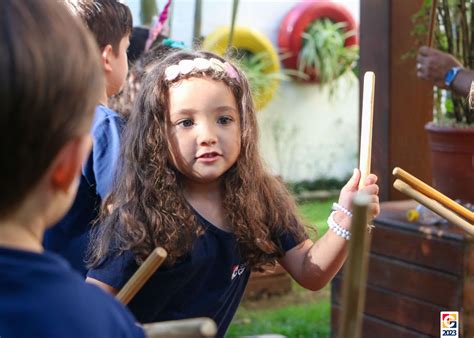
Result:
x=452 y=151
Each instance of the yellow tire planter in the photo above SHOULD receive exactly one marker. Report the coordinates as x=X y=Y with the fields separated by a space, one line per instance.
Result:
x=253 y=41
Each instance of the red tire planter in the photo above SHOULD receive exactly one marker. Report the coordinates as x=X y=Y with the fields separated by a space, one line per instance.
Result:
x=300 y=17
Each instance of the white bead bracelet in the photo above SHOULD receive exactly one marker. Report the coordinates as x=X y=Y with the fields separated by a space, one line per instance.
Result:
x=338 y=207
x=338 y=230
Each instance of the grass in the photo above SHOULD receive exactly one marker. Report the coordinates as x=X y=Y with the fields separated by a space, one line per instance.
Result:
x=300 y=314
x=315 y=213
x=304 y=320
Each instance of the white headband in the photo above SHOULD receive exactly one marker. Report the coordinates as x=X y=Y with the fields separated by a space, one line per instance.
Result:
x=200 y=64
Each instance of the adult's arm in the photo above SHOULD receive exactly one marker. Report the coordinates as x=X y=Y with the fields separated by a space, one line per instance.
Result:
x=433 y=64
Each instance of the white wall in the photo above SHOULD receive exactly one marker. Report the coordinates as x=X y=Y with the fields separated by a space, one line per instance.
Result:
x=305 y=134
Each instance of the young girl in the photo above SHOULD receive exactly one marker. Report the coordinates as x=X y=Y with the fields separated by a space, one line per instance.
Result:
x=193 y=182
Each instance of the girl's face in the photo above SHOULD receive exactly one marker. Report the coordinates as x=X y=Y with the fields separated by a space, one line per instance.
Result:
x=204 y=128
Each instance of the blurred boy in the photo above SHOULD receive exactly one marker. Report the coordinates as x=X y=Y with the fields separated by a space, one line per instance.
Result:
x=51 y=81
x=111 y=24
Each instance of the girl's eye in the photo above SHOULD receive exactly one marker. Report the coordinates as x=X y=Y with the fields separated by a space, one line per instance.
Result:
x=224 y=120
x=185 y=123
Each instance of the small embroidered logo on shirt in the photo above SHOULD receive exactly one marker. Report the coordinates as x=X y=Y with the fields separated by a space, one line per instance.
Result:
x=237 y=270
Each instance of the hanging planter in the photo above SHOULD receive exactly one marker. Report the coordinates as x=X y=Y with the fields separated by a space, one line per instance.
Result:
x=299 y=25
x=258 y=59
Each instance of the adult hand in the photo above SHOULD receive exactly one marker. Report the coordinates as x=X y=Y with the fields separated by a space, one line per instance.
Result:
x=433 y=64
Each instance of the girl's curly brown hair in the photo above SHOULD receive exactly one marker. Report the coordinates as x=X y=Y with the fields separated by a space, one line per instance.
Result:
x=147 y=209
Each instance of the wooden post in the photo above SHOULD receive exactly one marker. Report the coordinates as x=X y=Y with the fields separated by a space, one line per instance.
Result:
x=141 y=276
x=185 y=328
x=355 y=272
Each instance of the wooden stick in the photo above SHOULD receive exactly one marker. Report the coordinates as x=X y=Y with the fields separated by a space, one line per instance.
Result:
x=432 y=193
x=355 y=273
x=235 y=6
x=365 y=153
x=434 y=206
x=434 y=4
x=355 y=276
x=195 y=327
x=197 y=23
x=140 y=277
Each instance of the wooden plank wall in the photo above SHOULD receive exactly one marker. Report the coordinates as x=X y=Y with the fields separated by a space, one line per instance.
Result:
x=403 y=103
x=411 y=278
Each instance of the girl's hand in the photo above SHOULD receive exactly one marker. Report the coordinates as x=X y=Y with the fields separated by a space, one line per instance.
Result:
x=370 y=188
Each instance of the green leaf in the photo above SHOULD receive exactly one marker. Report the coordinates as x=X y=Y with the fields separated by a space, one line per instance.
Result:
x=323 y=50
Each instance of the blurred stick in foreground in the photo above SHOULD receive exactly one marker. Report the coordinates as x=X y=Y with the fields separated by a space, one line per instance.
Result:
x=141 y=276
x=185 y=328
x=355 y=272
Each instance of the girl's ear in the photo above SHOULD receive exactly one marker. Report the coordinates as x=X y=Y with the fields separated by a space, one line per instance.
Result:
x=68 y=162
x=106 y=56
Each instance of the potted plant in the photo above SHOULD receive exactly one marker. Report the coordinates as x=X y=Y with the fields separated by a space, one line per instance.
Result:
x=324 y=56
x=319 y=38
x=451 y=133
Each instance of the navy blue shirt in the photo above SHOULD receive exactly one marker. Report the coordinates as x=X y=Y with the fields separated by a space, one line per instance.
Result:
x=41 y=296
x=210 y=282
x=70 y=237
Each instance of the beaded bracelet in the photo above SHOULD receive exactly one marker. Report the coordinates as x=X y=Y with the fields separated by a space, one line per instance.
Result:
x=338 y=230
x=338 y=207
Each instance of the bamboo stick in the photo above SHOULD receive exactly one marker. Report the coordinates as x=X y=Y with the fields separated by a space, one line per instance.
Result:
x=355 y=276
x=195 y=327
x=433 y=193
x=197 y=23
x=365 y=153
x=355 y=273
x=434 y=4
x=471 y=54
x=434 y=206
x=141 y=276
x=235 y=6
x=447 y=25
x=464 y=36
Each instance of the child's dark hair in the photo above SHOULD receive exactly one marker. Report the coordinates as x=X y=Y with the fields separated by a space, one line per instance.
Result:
x=123 y=102
x=48 y=90
x=148 y=206
x=108 y=20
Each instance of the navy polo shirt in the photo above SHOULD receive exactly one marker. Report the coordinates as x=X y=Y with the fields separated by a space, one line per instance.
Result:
x=209 y=282
x=70 y=237
x=41 y=296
